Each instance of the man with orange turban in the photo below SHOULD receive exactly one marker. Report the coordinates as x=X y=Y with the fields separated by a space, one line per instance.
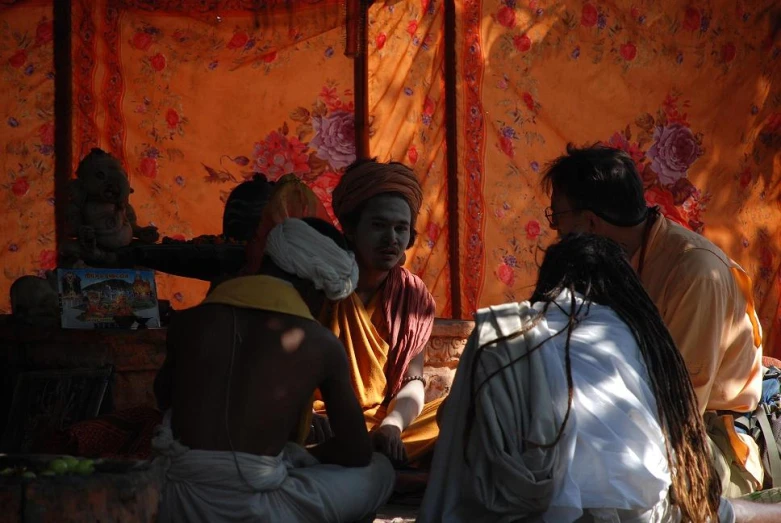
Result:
x=386 y=323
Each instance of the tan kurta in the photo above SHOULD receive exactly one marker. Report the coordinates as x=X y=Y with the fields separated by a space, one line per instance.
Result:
x=706 y=302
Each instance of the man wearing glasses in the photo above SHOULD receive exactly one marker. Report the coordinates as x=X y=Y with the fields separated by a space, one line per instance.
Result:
x=704 y=297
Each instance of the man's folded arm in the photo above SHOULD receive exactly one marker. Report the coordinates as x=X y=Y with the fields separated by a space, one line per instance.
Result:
x=350 y=446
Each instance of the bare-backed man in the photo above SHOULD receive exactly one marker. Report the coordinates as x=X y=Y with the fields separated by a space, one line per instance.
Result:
x=238 y=380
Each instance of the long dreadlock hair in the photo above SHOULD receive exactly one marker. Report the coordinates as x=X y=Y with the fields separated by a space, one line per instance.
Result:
x=597 y=268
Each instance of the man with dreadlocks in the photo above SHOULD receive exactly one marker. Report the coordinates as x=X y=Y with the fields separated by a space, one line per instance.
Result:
x=704 y=297
x=574 y=406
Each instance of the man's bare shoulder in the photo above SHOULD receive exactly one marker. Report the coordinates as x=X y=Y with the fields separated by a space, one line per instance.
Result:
x=207 y=315
x=318 y=336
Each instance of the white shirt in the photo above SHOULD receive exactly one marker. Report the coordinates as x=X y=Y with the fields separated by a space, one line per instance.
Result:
x=615 y=445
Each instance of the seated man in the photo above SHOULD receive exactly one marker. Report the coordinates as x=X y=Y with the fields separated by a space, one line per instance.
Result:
x=704 y=297
x=386 y=323
x=241 y=369
x=574 y=406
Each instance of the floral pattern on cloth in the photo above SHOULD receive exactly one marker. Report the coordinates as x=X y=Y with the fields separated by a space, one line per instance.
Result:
x=27 y=238
x=407 y=117
x=663 y=151
x=189 y=102
x=691 y=91
x=193 y=95
x=317 y=149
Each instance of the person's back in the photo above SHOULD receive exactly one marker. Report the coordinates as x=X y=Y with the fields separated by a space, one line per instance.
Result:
x=278 y=362
x=573 y=406
x=238 y=380
x=612 y=400
x=679 y=263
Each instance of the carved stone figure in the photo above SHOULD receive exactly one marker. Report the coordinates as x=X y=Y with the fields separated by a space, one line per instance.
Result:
x=100 y=217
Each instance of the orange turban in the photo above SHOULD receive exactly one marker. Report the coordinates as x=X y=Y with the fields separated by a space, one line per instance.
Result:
x=371 y=178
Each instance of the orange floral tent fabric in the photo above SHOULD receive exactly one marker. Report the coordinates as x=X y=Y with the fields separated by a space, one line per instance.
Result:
x=194 y=101
x=193 y=96
x=692 y=90
x=27 y=237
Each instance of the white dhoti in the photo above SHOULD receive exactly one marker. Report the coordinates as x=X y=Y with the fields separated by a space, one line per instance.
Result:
x=209 y=486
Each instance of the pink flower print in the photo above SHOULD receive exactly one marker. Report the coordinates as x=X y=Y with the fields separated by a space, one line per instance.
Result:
x=238 y=41
x=334 y=138
x=522 y=43
x=47 y=260
x=20 y=187
x=412 y=154
x=505 y=274
x=589 y=16
x=674 y=150
x=617 y=141
x=141 y=40
x=433 y=230
x=533 y=229
x=323 y=187
x=157 y=62
x=506 y=16
x=278 y=155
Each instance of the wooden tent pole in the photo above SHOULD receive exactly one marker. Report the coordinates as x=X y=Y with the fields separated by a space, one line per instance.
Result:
x=358 y=27
x=451 y=140
x=63 y=116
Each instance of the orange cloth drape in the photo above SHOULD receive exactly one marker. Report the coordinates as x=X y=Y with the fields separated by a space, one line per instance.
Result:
x=187 y=95
x=385 y=335
x=193 y=95
x=407 y=114
x=27 y=237
x=367 y=350
x=692 y=90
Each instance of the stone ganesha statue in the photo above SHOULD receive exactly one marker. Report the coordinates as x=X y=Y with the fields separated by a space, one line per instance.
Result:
x=99 y=214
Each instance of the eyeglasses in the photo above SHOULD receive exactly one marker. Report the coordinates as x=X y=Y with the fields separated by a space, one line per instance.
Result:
x=551 y=216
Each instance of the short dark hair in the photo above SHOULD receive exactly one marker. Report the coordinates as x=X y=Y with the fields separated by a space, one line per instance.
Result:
x=244 y=208
x=599 y=179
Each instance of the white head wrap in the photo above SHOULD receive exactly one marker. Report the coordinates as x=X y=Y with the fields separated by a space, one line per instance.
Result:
x=299 y=249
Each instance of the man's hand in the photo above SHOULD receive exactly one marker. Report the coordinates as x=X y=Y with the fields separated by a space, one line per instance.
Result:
x=320 y=430
x=387 y=440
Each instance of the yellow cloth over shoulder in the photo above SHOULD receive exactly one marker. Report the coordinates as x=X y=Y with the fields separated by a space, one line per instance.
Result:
x=367 y=354
x=260 y=292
